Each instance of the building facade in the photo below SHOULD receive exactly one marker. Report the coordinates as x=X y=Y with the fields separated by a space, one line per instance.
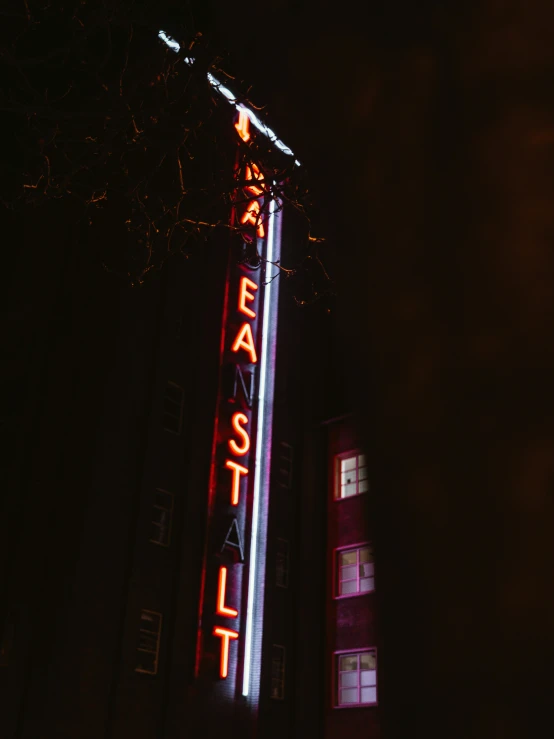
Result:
x=185 y=548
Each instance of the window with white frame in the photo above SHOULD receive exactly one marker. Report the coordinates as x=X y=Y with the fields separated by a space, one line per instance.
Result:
x=278 y=672
x=282 y=564
x=162 y=513
x=355 y=571
x=173 y=408
x=357 y=678
x=352 y=476
x=148 y=648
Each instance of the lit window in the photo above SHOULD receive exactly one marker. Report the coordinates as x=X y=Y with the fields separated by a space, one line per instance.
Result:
x=355 y=571
x=282 y=564
x=148 y=648
x=286 y=459
x=278 y=672
x=351 y=475
x=162 y=512
x=357 y=679
x=173 y=408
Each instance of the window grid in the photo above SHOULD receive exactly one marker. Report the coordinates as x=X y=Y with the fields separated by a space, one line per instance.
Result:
x=356 y=679
x=355 y=571
x=162 y=514
x=150 y=630
x=173 y=408
x=278 y=672
x=282 y=564
x=352 y=476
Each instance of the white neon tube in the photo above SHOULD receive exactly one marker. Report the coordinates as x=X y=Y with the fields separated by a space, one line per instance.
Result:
x=261 y=470
x=231 y=98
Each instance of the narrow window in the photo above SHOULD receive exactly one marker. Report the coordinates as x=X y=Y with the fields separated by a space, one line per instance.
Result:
x=278 y=672
x=173 y=408
x=282 y=564
x=162 y=513
x=286 y=461
x=148 y=649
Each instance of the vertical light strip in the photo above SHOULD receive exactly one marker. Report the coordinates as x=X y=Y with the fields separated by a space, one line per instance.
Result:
x=263 y=444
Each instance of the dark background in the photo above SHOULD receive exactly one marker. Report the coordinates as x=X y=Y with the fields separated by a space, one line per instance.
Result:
x=428 y=131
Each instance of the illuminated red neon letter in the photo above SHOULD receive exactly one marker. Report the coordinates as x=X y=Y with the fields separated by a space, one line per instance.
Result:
x=244 y=295
x=238 y=470
x=253 y=173
x=226 y=635
x=245 y=341
x=238 y=421
x=222 y=609
x=243 y=125
x=252 y=215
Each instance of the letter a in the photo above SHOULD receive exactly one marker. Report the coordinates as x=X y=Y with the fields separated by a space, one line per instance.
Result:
x=252 y=215
x=245 y=341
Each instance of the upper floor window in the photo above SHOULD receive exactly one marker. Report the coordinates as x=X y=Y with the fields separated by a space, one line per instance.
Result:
x=355 y=571
x=357 y=678
x=282 y=564
x=148 y=649
x=173 y=408
x=278 y=672
x=351 y=475
x=162 y=512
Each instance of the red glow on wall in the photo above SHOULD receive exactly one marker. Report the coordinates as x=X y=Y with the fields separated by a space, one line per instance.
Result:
x=244 y=295
x=245 y=341
x=237 y=470
x=222 y=609
x=226 y=636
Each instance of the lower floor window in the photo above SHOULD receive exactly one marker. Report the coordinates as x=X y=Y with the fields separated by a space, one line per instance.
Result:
x=148 y=646
x=357 y=678
x=278 y=672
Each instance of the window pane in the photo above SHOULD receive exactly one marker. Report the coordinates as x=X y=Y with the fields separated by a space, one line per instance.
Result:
x=349 y=679
x=349 y=662
x=362 y=473
x=347 y=477
x=368 y=661
x=348 y=573
x=348 y=464
x=146 y=663
x=367 y=584
x=348 y=587
x=363 y=486
x=349 y=490
x=148 y=642
x=366 y=570
x=347 y=558
x=366 y=555
x=350 y=695
x=362 y=460
x=369 y=677
x=150 y=621
x=369 y=695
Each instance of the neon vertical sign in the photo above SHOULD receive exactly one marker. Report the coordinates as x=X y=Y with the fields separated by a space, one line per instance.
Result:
x=233 y=591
